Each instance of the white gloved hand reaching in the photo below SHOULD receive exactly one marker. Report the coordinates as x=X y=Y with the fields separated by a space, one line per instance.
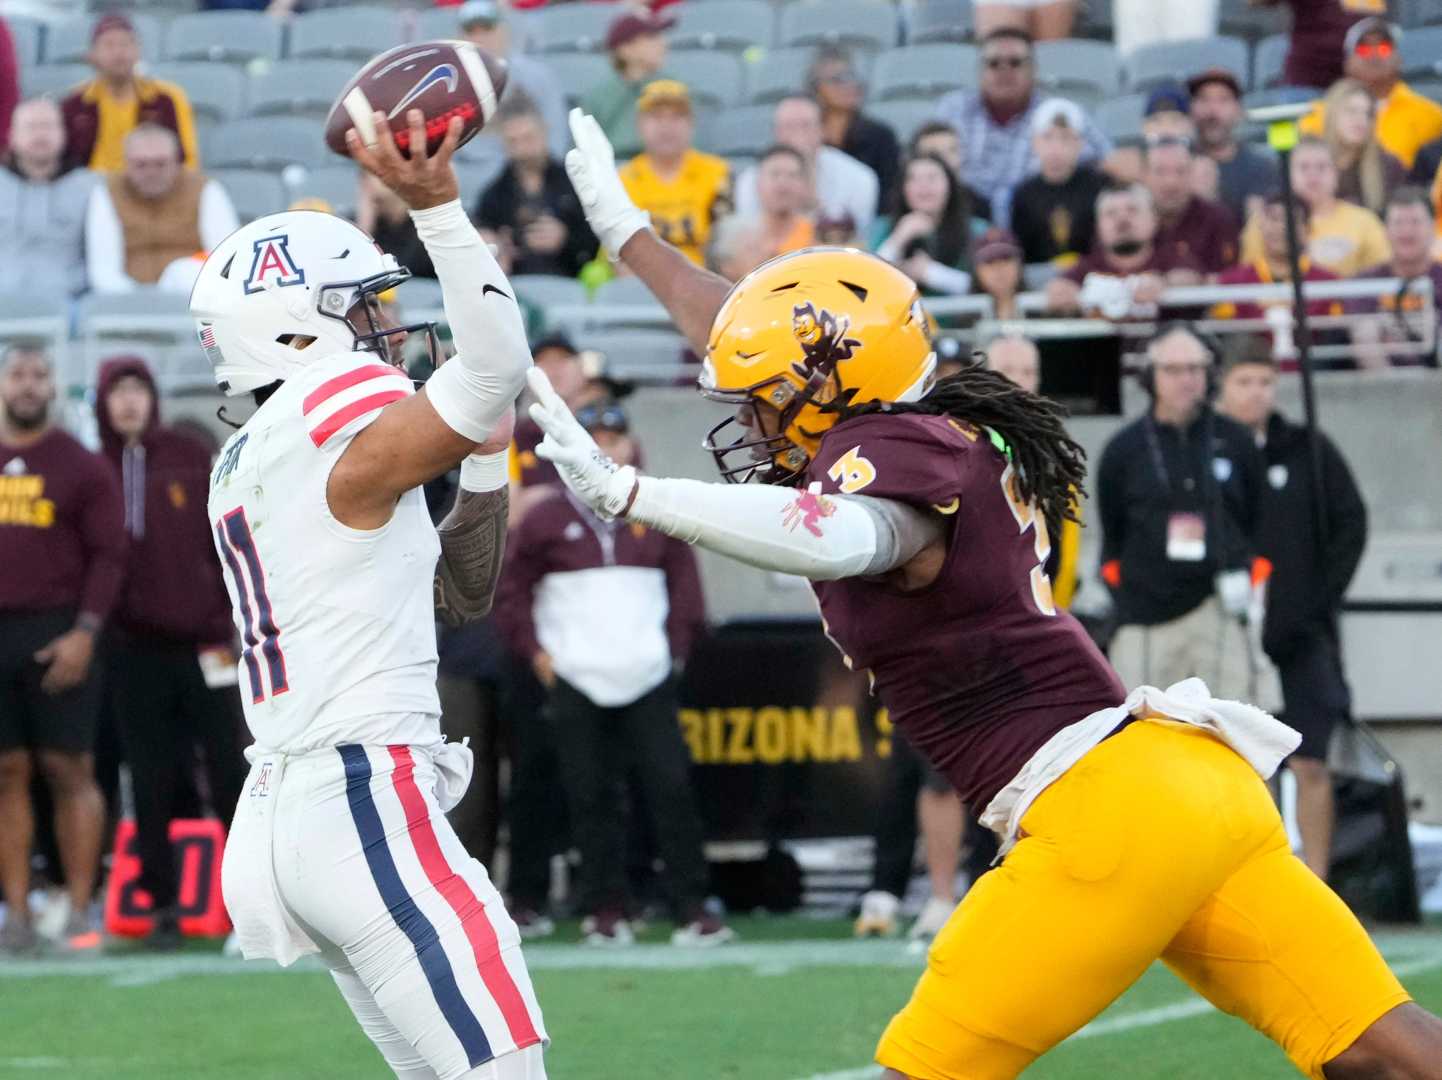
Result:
x=591 y=165
x=593 y=476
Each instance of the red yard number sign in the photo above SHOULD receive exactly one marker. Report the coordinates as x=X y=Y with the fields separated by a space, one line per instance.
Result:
x=198 y=844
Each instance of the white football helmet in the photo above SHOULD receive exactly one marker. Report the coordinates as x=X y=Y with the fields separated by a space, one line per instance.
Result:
x=290 y=288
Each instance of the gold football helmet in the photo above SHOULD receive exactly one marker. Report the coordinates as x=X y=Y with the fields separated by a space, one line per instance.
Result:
x=809 y=334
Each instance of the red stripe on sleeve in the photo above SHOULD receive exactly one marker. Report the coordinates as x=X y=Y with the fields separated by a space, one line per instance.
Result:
x=331 y=387
x=462 y=900
x=340 y=419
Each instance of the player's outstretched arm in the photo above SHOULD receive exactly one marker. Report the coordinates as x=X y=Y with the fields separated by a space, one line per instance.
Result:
x=783 y=529
x=691 y=294
x=420 y=438
x=473 y=546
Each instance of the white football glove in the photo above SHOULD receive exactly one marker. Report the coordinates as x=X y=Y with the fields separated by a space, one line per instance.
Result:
x=589 y=473
x=591 y=164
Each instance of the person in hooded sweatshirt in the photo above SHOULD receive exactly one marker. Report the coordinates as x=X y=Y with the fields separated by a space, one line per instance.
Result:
x=42 y=204
x=172 y=663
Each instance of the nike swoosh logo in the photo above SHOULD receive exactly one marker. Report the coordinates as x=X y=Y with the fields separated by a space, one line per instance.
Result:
x=488 y=287
x=445 y=73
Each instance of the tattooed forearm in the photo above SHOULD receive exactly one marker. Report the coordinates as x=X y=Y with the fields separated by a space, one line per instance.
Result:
x=473 y=542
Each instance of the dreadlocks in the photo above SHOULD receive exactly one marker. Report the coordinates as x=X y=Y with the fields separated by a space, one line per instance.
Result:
x=1050 y=465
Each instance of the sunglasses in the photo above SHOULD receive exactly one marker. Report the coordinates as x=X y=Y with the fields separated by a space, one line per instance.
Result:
x=996 y=63
x=603 y=418
x=1379 y=51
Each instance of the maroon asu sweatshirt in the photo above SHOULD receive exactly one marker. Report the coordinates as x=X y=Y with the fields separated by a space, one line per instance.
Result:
x=173 y=593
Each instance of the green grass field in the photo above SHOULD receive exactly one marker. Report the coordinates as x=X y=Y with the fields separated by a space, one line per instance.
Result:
x=795 y=1000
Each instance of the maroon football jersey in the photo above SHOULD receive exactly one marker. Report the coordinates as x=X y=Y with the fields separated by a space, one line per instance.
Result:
x=978 y=668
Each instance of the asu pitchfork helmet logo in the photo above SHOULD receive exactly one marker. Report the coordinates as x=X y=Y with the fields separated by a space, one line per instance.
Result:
x=271 y=264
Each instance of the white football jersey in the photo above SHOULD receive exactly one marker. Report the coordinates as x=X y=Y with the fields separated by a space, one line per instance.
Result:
x=337 y=624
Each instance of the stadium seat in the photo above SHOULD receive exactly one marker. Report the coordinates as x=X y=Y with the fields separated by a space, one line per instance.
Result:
x=299 y=87
x=476 y=176
x=919 y=70
x=1120 y=118
x=637 y=353
x=730 y=25
x=69 y=42
x=439 y=22
x=549 y=290
x=1175 y=61
x=624 y=291
x=571 y=28
x=254 y=192
x=869 y=24
x=27 y=33
x=216 y=91
x=270 y=142
x=579 y=72
x=421 y=296
x=337 y=184
x=1268 y=59
x=1245 y=19
x=905 y=115
x=1429 y=88
x=941 y=20
x=744 y=130
x=714 y=78
x=1086 y=71
x=232 y=36
x=1422 y=52
x=56 y=80
x=355 y=33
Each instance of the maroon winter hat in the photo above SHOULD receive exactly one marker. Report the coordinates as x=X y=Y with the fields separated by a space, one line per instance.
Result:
x=111 y=20
x=634 y=24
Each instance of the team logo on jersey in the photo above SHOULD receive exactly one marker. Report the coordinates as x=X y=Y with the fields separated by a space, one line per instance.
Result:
x=809 y=509
x=823 y=338
x=272 y=262
x=261 y=788
x=441 y=73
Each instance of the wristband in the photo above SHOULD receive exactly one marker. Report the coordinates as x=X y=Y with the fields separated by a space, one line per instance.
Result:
x=485 y=472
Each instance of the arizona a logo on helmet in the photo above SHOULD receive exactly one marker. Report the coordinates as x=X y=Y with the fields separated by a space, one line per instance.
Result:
x=272 y=262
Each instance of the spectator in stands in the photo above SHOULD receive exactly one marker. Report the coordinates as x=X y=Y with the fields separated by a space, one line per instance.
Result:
x=1274 y=266
x=607 y=614
x=782 y=194
x=9 y=81
x=101 y=114
x=531 y=206
x=1126 y=267
x=171 y=635
x=941 y=140
x=994 y=122
x=1411 y=231
x=1366 y=174
x=998 y=271
x=1188 y=227
x=1244 y=173
x=929 y=236
x=42 y=204
x=841 y=185
x=1344 y=238
x=483 y=23
x=61 y=532
x=1041 y=20
x=636 y=41
x=1054 y=212
x=737 y=246
x=684 y=190
x=838 y=89
x=1017 y=358
x=1406 y=121
x=1319 y=30
x=1306 y=586
x=1179 y=491
x=382 y=213
x=141 y=220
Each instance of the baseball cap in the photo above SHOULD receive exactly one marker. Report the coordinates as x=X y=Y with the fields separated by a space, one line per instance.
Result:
x=635 y=24
x=111 y=20
x=1054 y=111
x=1374 y=24
x=664 y=92
x=479 y=11
x=1214 y=75
x=996 y=244
x=555 y=340
x=1168 y=98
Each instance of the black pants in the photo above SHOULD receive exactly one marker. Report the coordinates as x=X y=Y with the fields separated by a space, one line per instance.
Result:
x=536 y=812
x=468 y=710
x=166 y=713
x=598 y=746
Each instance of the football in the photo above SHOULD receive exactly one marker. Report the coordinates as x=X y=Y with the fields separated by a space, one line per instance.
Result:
x=441 y=78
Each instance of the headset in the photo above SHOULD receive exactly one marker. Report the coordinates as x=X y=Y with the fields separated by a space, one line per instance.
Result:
x=1147 y=377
